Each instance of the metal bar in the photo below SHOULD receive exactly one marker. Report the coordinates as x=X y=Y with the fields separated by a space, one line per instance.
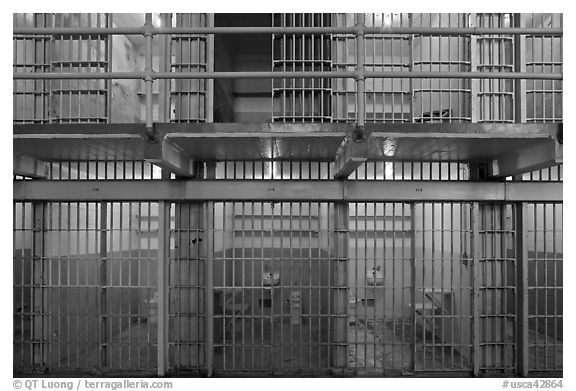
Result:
x=476 y=254
x=209 y=233
x=163 y=282
x=440 y=31
x=210 y=68
x=520 y=66
x=151 y=75
x=285 y=190
x=475 y=103
x=522 y=240
x=103 y=285
x=164 y=55
x=148 y=71
x=359 y=76
x=38 y=302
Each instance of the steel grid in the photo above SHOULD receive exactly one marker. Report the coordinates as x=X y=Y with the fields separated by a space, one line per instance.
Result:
x=186 y=288
x=545 y=282
x=440 y=99
x=497 y=285
x=495 y=54
x=103 y=170
x=295 y=99
x=32 y=98
x=84 y=287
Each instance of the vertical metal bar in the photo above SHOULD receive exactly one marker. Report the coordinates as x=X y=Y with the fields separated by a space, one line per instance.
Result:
x=38 y=301
x=103 y=284
x=413 y=284
x=519 y=66
x=209 y=107
x=209 y=270
x=164 y=66
x=360 y=81
x=163 y=281
x=522 y=240
x=474 y=83
x=339 y=298
x=148 y=70
x=476 y=253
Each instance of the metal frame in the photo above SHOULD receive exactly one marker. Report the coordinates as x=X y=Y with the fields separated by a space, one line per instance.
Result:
x=286 y=190
x=288 y=30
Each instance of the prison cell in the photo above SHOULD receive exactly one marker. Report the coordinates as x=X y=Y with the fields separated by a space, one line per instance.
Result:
x=84 y=285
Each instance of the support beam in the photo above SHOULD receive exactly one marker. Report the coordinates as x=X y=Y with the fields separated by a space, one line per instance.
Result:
x=544 y=155
x=30 y=167
x=522 y=241
x=286 y=190
x=350 y=156
x=170 y=157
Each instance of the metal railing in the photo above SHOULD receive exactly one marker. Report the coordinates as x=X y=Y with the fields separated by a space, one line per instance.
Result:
x=359 y=74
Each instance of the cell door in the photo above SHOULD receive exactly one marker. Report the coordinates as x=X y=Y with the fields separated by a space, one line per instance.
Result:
x=409 y=282
x=271 y=287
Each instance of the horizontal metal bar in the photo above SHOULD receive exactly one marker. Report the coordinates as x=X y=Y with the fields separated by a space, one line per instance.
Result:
x=277 y=129
x=79 y=75
x=284 y=190
x=288 y=75
x=438 y=31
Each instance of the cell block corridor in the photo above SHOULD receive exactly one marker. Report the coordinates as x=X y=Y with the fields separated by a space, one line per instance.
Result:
x=288 y=194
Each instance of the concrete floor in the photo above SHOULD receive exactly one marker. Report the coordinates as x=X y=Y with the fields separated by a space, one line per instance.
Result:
x=278 y=345
x=273 y=345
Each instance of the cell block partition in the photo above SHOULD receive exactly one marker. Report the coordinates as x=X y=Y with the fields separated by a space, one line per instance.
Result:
x=187 y=285
x=301 y=99
x=188 y=54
